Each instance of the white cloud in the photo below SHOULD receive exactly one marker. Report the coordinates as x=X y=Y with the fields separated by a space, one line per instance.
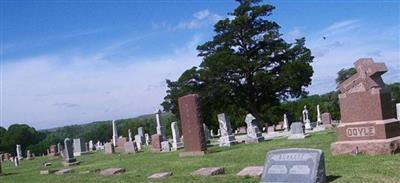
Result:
x=55 y=90
x=341 y=27
x=200 y=19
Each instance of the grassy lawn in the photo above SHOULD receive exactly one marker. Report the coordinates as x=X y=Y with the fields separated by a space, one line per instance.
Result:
x=138 y=166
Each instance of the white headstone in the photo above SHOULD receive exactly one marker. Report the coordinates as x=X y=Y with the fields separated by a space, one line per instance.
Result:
x=147 y=138
x=115 y=133
x=285 y=123
x=165 y=146
x=398 y=111
x=138 y=142
x=160 y=126
x=91 y=146
x=253 y=132
x=176 y=136
x=59 y=148
x=227 y=138
x=306 y=120
x=129 y=135
x=319 y=121
x=19 y=152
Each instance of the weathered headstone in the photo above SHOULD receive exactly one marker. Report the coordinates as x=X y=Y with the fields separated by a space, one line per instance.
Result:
x=112 y=171
x=294 y=165
x=297 y=131
x=192 y=128
x=19 y=152
x=130 y=147
x=253 y=132
x=109 y=148
x=129 y=135
x=29 y=155
x=138 y=141
x=398 y=111
x=165 y=146
x=209 y=171
x=368 y=120
x=156 y=142
x=79 y=147
x=285 y=123
x=91 y=145
x=253 y=171
x=227 y=138
x=271 y=129
x=69 y=154
x=147 y=138
x=326 y=118
x=160 y=126
x=176 y=136
x=120 y=144
x=53 y=150
x=306 y=119
x=141 y=134
x=59 y=149
x=319 y=120
x=207 y=135
x=115 y=133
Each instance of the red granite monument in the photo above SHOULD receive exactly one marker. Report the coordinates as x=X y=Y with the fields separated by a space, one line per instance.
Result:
x=192 y=128
x=368 y=123
x=156 y=143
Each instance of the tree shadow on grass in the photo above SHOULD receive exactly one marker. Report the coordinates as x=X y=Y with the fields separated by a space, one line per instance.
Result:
x=331 y=178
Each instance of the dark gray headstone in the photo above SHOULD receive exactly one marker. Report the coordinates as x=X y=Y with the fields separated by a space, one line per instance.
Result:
x=69 y=158
x=296 y=128
x=298 y=165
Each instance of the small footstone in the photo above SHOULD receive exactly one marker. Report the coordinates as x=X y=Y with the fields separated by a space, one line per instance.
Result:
x=209 y=171
x=64 y=171
x=253 y=171
x=47 y=172
x=160 y=175
x=112 y=171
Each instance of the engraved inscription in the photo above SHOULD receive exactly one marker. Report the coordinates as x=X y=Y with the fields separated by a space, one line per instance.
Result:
x=360 y=131
x=277 y=169
x=300 y=169
x=292 y=157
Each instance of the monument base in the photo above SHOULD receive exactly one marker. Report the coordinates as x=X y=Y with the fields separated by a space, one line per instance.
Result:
x=370 y=147
x=70 y=164
x=193 y=153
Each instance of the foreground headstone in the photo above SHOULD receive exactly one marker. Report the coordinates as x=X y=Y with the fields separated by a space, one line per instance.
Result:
x=69 y=159
x=209 y=171
x=294 y=165
x=160 y=175
x=252 y=171
x=227 y=138
x=176 y=136
x=297 y=131
x=112 y=171
x=368 y=120
x=253 y=132
x=192 y=128
x=109 y=148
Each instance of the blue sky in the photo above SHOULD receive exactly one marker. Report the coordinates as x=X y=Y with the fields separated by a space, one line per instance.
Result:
x=72 y=62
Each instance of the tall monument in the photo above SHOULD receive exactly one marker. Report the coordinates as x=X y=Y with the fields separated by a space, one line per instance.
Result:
x=115 y=133
x=368 y=124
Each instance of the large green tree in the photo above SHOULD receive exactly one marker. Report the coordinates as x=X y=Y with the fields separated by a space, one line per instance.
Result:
x=247 y=66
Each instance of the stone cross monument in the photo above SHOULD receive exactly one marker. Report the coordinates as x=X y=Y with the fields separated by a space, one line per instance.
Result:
x=115 y=133
x=368 y=120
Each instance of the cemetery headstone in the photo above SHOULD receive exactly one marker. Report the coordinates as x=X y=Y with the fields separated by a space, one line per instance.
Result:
x=29 y=155
x=16 y=161
x=176 y=136
x=19 y=152
x=69 y=154
x=79 y=147
x=165 y=146
x=130 y=147
x=297 y=131
x=160 y=126
x=59 y=149
x=192 y=128
x=53 y=150
x=319 y=120
x=142 y=135
x=306 y=119
x=156 y=142
x=207 y=135
x=138 y=142
x=115 y=133
x=398 y=111
x=227 y=138
x=326 y=118
x=129 y=135
x=285 y=123
x=147 y=138
x=91 y=145
x=120 y=144
x=294 y=165
x=368 y=120
x=109 y=148
x=253 y=132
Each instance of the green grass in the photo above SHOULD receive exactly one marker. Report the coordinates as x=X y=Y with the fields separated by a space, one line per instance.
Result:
x=353 y=169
